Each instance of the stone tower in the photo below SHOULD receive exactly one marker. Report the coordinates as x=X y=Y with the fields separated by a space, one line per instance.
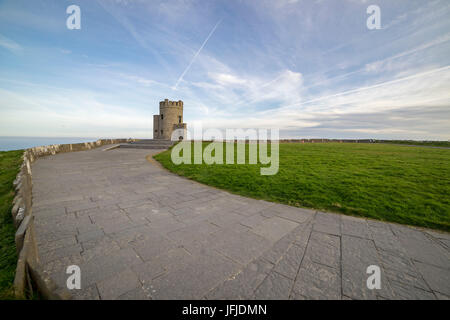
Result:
x=169 y=119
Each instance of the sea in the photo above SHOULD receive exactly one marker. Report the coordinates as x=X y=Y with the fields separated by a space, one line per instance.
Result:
x=17 y=143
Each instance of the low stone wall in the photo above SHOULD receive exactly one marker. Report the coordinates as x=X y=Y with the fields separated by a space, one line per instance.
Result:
x=327 y=140
x=29 y=275
x=308 y=141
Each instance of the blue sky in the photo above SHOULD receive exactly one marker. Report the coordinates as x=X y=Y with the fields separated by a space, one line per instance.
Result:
x=310 y=68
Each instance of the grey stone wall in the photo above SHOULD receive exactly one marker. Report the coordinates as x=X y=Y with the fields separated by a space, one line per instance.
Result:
x=29 y=273
x=156 y=126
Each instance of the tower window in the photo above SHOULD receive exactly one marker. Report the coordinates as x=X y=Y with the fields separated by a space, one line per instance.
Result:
x=179 y=119
x=161 y=132
x=162 y=116
x=156 y=131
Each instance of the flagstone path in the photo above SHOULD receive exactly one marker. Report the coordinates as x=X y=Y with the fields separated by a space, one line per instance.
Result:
x=138 y=231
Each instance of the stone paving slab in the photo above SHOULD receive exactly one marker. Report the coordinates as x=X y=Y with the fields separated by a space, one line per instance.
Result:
x=139 y=232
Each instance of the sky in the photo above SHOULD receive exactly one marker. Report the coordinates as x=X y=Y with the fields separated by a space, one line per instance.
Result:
x=310 y=68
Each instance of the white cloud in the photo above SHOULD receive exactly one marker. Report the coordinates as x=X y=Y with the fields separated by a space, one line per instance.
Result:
x=393 y=62
x=237 y=91
x=10 y=44
x=66 y=114
x=418 y=104
x=224 y=79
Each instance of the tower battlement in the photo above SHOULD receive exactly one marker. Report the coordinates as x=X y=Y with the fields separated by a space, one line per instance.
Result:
x=168 y=103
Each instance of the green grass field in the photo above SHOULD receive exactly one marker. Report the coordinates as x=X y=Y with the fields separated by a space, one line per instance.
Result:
x=409 y=185
x=9 y=167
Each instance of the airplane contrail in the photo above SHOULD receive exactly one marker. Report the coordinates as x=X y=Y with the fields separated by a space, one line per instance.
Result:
x=196 y=54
